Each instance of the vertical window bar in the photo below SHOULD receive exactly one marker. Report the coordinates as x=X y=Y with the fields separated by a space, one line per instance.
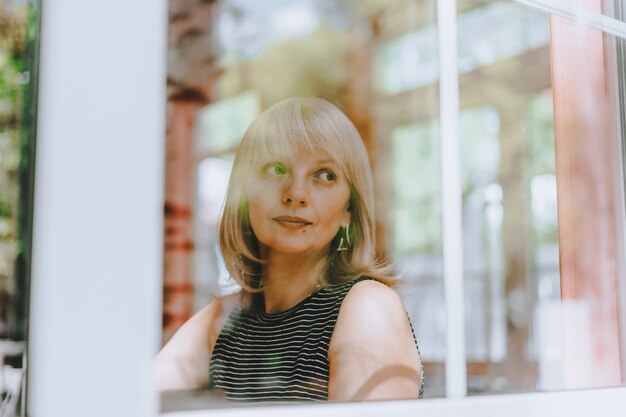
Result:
x=456 y=378
x=620 y=14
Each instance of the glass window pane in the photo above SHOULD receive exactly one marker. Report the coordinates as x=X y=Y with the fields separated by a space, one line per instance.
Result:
x=541 y=126
x=19 y=26
x=378 y=60
x=543 y=216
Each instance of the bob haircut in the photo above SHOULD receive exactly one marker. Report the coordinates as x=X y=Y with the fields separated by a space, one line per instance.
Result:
x=302 y=125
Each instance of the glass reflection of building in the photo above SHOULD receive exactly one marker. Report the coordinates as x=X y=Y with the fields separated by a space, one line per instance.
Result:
x=379 y=60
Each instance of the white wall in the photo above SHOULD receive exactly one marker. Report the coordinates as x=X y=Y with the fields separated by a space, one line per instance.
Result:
x=96 y=284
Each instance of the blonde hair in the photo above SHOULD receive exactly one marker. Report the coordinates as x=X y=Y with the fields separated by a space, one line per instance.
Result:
x=301 y=125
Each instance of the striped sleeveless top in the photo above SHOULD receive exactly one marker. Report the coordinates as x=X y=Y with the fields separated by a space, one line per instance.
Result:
x=282 y=357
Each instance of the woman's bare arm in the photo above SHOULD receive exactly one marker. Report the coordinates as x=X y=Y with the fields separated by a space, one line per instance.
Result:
x=183 y=363
x=372 y=351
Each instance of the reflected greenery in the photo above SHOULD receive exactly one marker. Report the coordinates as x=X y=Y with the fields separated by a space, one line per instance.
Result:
x=19 y=26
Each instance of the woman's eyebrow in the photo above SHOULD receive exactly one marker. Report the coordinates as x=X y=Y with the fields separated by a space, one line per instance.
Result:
x=326 y=161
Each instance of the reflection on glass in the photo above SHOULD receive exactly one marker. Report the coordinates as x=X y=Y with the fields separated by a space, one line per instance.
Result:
x=310 y=321
x=540 y=161
x=230 y=62
x=508 y=160
x=18 y=36
x=416 y=231
x=543 y=202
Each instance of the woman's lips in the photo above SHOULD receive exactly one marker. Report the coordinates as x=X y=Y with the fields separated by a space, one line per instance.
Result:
x=291 y=222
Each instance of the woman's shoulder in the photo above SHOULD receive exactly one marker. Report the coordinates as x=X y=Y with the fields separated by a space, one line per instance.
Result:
x=201 y=329
x=370 y=298
x=372 y=321
x=184 y=360
x=372 y=351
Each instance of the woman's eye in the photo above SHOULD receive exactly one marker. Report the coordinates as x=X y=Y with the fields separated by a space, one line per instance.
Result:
x=326 y=176
x=275 y=169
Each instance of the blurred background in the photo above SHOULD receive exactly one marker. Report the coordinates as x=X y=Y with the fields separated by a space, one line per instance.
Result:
x=19 y=31
x=541 y=126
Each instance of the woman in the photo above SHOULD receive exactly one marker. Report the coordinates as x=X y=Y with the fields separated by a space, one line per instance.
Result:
x=316 y=318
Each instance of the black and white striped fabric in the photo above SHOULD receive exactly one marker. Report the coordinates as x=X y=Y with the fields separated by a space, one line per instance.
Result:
x=283 y=357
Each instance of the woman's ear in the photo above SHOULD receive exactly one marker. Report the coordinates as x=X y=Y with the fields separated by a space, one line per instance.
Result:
x=346 y=218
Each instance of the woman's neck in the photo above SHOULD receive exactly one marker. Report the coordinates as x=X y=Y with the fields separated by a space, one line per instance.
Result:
x=289 y=279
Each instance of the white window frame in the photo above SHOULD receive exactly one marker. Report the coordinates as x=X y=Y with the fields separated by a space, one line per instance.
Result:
x=97 y=255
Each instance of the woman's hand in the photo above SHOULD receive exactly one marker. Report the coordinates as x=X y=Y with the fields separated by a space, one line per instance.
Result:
x=372 y=351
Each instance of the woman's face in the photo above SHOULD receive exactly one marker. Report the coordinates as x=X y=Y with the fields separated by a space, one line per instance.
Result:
x=297 y=202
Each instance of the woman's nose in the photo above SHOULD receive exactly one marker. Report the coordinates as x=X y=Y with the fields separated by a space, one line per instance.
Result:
x=295 y=192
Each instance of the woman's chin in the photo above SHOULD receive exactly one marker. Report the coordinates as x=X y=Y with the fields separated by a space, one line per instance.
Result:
x=297 y=249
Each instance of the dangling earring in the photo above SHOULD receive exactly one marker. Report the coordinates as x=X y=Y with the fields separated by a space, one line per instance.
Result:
x=344 y=245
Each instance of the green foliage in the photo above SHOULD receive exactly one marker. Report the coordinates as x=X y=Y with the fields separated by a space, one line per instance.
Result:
x=542 y=166
x=416 y=174
x=5 y=209
x=18 y=33
x=541 y=134
x=416 y=186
